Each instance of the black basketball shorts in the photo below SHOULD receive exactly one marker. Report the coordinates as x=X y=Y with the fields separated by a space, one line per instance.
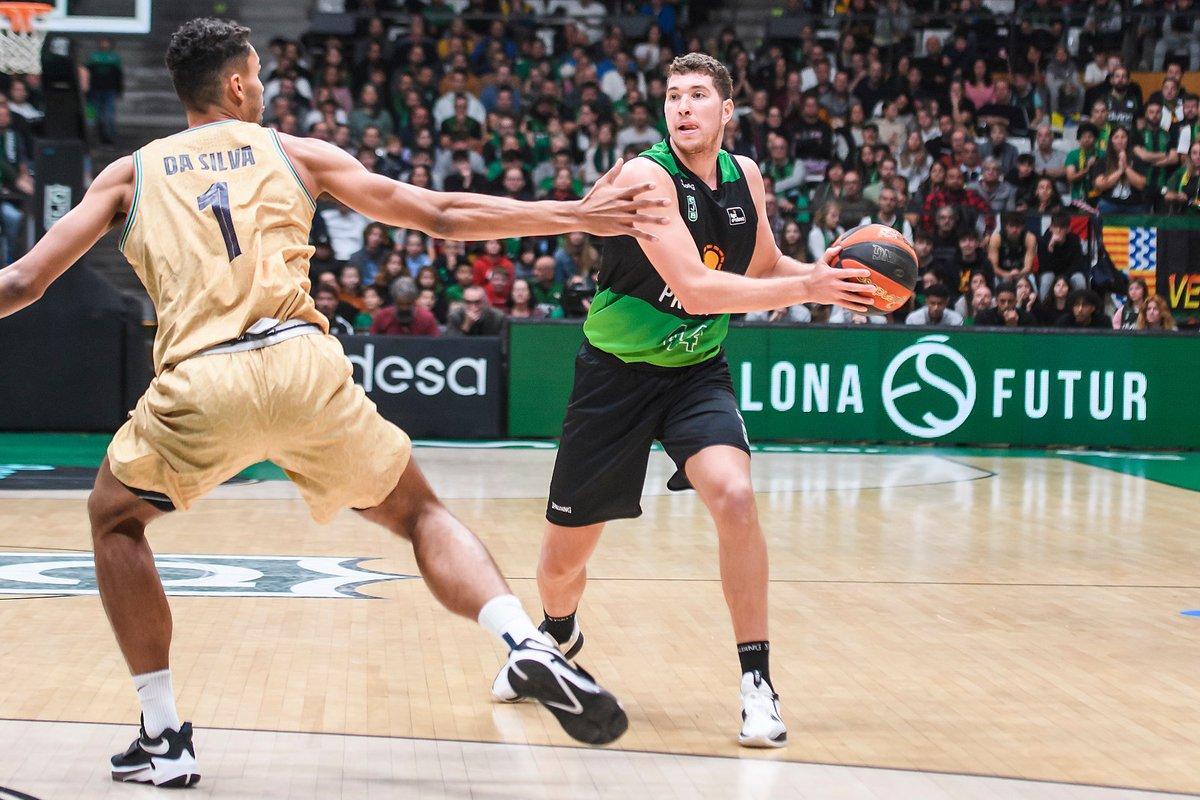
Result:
x=615 y=414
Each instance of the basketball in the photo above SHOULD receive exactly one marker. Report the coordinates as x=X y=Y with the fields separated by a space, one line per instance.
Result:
x=889 y=256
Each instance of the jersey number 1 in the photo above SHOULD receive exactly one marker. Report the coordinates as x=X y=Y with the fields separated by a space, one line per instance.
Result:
x=217 y=198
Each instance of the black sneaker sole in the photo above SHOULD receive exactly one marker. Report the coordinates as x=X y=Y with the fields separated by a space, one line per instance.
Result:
x=602 y=719
x=182 y=782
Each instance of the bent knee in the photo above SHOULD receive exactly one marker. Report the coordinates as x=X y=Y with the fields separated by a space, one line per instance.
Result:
x=735 y=504
x=410 y=519
x=112 y=512
x=557 y=566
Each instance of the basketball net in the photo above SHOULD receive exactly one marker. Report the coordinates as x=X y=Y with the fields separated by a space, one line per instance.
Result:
x=20 y=44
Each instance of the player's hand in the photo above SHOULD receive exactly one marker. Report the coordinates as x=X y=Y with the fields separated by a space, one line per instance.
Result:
x=610 y=210
x=849 y=287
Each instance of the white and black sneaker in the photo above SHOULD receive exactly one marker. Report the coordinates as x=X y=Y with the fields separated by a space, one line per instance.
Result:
x=169 y=760
x=761 y=724
x=504 y=693
x=586 y=711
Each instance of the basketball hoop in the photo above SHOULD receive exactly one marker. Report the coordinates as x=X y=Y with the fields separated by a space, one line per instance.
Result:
x=20 y=44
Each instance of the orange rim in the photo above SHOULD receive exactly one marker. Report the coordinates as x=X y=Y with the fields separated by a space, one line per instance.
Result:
x=22 y=15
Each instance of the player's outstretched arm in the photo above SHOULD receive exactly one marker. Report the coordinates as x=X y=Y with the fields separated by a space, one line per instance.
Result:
x=606 y=211
x=25 y=280
x=701 y=290
x=827 y=285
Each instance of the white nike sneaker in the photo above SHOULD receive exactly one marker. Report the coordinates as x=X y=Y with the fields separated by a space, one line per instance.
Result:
x=169 y=760
x=761 y=724
x=586 y=711
x=502 y=691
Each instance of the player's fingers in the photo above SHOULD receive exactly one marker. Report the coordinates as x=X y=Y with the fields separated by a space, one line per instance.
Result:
x=634 y=192
x=858 y=293
x=636 y=204
x=853 y=306
x=639 y=233
x=645 y=201
x=831 y=253
x=853 y=273
x=612 y=173
x=639 y=218
x=862 y=297
x=651 y=219
x=854 y=287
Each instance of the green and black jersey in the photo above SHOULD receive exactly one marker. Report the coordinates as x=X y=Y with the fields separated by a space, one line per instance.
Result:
x=634 y=315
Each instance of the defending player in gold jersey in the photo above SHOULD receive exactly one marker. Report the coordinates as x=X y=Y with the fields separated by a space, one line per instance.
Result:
x=216 y=223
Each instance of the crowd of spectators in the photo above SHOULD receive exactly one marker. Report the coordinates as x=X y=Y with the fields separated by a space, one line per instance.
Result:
x=22 y=118
x=965 y=131
x=489 y=105
x=20 y=114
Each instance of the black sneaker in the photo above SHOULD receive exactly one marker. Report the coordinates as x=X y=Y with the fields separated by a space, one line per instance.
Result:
x=586 y=711
x=574 y=643
x=169 y=760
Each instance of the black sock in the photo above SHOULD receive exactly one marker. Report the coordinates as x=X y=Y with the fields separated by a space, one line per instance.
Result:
x=756 y=656
x=560 y=628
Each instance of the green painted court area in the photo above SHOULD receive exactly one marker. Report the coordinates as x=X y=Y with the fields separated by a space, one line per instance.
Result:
x=1180 y=469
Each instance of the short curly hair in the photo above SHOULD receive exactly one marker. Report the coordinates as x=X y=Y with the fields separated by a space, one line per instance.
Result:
x=703 y=64
x=199 y=53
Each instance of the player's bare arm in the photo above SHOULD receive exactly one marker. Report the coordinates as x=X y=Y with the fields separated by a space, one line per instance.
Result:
x=828 y=284
x=25 y=280
x=607 y=210
x=701 y=290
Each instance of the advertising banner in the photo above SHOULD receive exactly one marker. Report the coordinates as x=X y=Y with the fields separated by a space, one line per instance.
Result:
x=902 y=384
x=449 y=388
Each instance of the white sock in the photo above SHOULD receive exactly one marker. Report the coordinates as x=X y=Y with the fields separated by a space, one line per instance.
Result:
x=158 y=702
x=504 y=618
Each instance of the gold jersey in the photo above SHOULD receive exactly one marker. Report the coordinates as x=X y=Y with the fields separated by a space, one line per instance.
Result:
x=218 y=233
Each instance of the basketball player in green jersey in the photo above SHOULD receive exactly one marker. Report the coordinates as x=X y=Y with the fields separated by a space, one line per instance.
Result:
x=652 y=368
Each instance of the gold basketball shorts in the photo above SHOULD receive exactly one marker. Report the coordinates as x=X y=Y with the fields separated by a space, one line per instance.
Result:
x=294 y=403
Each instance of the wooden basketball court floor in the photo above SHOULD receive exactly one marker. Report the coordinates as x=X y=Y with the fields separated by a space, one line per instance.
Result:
x=945 y=624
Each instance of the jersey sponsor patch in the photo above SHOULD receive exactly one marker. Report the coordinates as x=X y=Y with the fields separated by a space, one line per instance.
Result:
x=713 y=257
x=693 y=212
x=736 y=215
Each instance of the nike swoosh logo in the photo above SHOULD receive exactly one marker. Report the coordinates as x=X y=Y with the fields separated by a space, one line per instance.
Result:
x=160 y=749
x=562 y=676
x=576 y=709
